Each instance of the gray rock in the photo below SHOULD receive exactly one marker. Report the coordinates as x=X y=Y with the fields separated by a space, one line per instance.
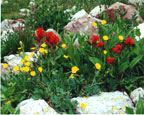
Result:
x=136 y=93
x=140 y=2
x=105 y=103
x=97 y=10
x=141 y=28
x=36 y=107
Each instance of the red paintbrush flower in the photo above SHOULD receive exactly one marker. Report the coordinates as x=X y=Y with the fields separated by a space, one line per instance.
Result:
x=100 y=44
x=94 y=38
x=110 y=60
x=129 y=41
x=117 y=48
x=40 y=33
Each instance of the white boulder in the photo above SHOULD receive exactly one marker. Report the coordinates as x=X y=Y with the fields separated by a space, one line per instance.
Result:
x=97 y=10
x=35 y=107
x=136 y=93
x=79 y=14
x=140 y=2
x=105 y=103
x=141 y=28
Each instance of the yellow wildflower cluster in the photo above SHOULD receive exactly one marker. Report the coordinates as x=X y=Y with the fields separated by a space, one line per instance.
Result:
x=83 y=105
x=75 y=69
x=5 y=65
x=121 y=38
x=94 y=24
x=65 y=56
x=63 y=45
x=8 y=102
x=98 y=66
x=105 y=37
x=42 y=50
x=103 y=22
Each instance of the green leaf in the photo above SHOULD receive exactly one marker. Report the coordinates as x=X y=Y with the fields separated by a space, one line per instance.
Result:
x=129 y=110
x=135 y=61
x=95 y=60
x=123 y=66
x=9 y=91
x=140 y=106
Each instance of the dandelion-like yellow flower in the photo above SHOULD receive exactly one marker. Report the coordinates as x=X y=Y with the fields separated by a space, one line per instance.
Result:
x=26 y=57
x=43 y=45
x=72 y=76
x=33 y=73
x=63 y=45
x=75 y=69
x=103 y=22
x=46 y=51
x=26 y=69
x=19 y=48
x=27 y=63
x=41 y=50
x=8 y=102
x=22 y=69
x=16 y=68
x=105 y=52
x=33 y=48
x=65 y=56
x=94 y=24
x=121 y=38
x=105 y=37
x=98 y=66
x=83 y=105
x=5 y=65
x=40 y=69
x=32 y=54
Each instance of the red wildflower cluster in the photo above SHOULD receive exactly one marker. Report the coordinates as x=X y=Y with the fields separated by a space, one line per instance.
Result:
x=129 y=41
x=117 y=48
x=94 y=38
x=100 y=44
x=51 y=39
x=110 y=60
x=40 y=33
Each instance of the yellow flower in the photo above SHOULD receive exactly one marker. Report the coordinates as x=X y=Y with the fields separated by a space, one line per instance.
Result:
x=29 y=79
x=83 y=105
x=8 y=102
x=19 y=48
x=5 y=65
x=105 y=52
x=33 y=73
x=16 y=68
x=20 y=53
x=41 y=50
x=121 y=38
x=105 y=37
x=82 y=46
x=63 y=45
x=33 y=48
x=22 y=61
x=32 y=54
x=65 y=56
x=72 y=76
x=94 y=24
x=40 y=69
x=27 y=63
x=46 y=51
x=98 y=66
x=27 y=69
x=43 y=45
x=75 y=69
x=103 y=22
x=26 y=57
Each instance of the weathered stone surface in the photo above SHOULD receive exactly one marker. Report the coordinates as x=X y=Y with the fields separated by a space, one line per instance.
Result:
x=129 y=10
x=140 y=2
x=82 y=23
x=141 y=28
x=35 y=107
x=105 y=103
x=136 y=93
x=97 y=10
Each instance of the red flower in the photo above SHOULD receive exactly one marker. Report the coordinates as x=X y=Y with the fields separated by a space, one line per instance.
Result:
x=53 y=40
x=110 y=60
x=40 y=33
x=117 y=48
x=100 y=44
x=48 y=35
x=94 y=39
x=129 y=41
x=52 y=51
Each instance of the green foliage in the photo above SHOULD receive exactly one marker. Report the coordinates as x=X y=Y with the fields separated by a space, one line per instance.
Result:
x=139 y=107
x=10 y=46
